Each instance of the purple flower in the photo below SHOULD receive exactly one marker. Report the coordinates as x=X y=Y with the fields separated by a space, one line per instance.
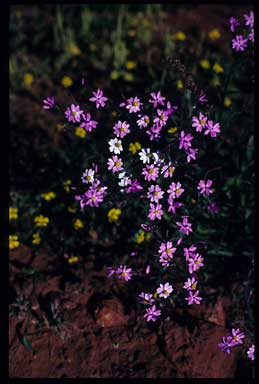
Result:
x=148 y=269
x=185 y=140
x=226 y=344
x=115 y=164
x=161 y=118
x=172 y=205
x=164 y=290
x=251 y=35
x=121 y=129
x=155 y=193
x=152 y=313
x=146 y=227
x=195 y=263
x=166 y=249
x=233 y=23
x=156 y=99
x=212 y=129
x=185 y=226
x=95 y=195
x=143 y=121
x=88 y=124
x=168 y=170
x=110 y=271
x=204 y=187
x=189 y=252
x=134 y=186
x=249 y=19
x=239 y=43
x=251 y=352
x=191 y=154
x=237 y=337
x=74 y=113
x=193 y=298
x=202 y=97
x=213 y=208
x=49 y=103
x=190 y=284
x=133 y=104
x=199 y=123
x=98 y=98
x=175 y=189
x=147 y=298
x=124 y=273
x=155 y=212
x=150 y=172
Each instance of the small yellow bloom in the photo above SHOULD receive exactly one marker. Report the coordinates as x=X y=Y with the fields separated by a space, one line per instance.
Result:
x=74 y=50
x=28 y=79
x=114 y=75
x=66 y=81
x=217 y=68
x=78 y=224
x=134 y=147
x=179 y=84
x=41 y=221
x=113 y=214
x=67 y=184
x=180 y=36
x=71 y=209
x=214 y=34
x=205 y=64
x=140 y=236
x=131 y=65
x=48 y=196
x=36 y=239
x=13 y=242
x=73 y=259
x=13 y=213
x=227 y=102
x=132 y=32
x=128 y=76
x=172 y=130
x=80 y=132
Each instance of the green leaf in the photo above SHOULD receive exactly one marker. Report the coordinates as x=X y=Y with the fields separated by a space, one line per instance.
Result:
x=27 y=343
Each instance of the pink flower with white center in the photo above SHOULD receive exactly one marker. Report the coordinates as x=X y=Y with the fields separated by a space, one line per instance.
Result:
x=166 y=249
x=156 y=99
x=249 y=19
x=133 y=104
x=115 y=146
x=121 y=129
x=251 y=352
x=88 y=124
x=193 y=298
x=155 y=212
x=152 y=313
x=191 y=154
x=204 y=187
x=143 y=121
x=155 y=193
x=185 y=140
x=190 y=284
x=134 y=186
x=147 y=298
x=195 y=263
x=124 y=273
x=161 y=118
x=164 y=290
x=189 y=252
x=175 y=189
x=98 y=98
x=73 y=113
x=49 y=103
x=239 y=43
x=237 y=337
x=185 y=226
x=150 y=172
x=115 y=164
x=173 y=205
x=168 y=170
x=199 y=123
x=212 y=129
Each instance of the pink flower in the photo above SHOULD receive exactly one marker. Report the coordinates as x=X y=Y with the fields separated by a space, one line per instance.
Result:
x=148 y=269
x=150 y=172
x=143 y=121
x=249 y=19
x=251 y=352
x=168 y=170
x=161 y=118
x=73 y=113
x=212 y=129
x=185 y=140
x=124 y=273
x=166 y=249
x=88 y=124
x=152 y=313
x=110 y=271
x=237 y=337
x=154 y=132
x=133 y=104
x=172 y=205
x=155 y=193
x=134 y=186
x=164 y=290
x=49 y=103
x=239 y=43
x=190 y=284
x=115 y=164
x=189 y=252
x=175 y=189
x=195 y=263
x=251 y=35
x=233 y=23
x=121 y=129
x=193 y=298
x=155 y=212
x=98 y=98
x=185 y=226
x=191 y=154
x=199 y=123
x=213 y=208
x=226 y=345
x=147 y=298
x=204 y=187
x=156 y=99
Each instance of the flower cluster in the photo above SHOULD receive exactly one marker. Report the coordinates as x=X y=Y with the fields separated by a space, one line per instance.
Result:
x=240 y=41
x=234 y=339
x=122 y=272
x=202 y=123
x=94 y=195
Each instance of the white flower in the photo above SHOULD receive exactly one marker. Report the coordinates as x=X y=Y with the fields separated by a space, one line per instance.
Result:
x=157 y=160
x=88 y=176
x=145 y=155
x=124 y=180
x=115 y=146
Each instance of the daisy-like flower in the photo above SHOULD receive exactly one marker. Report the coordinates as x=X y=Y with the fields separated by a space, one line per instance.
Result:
x=204 y=187
x=121 y=129
x=212 y=129
x=146 y=298
x=155 y=212
x=193 y=297
x=87 y=123
x=74 y=113
x=143 y=121
x=164 y=290
x=155 y=193
x=185 y=140
x=199 y=122
x=251 y=352
x=133 y=104
x=134 y=186
x=191 y=154
x=173 y=205
x=49 y=103
x=156 y=99
x=165 y=260
x=93 y=197
x=115 y=146
x=239 y=43
x=195 y=263
x=249 y=19
x=168 y=170
x=88 y=176
x=190 y=284
x=185 y=226
x=175 y=190
x=233 y=23
x=115 y=164
x=124 y=273
x=154 y=132
x=226 y=345
x=166 y=249
x=124 y=180
x=145 y=155
x=189 y=252
x=161 y=118
x=152 y=313
x=150 y=172
x=98 y=98
x=237 y=337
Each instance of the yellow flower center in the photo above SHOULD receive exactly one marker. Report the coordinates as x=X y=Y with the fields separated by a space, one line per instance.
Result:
x=135 y=103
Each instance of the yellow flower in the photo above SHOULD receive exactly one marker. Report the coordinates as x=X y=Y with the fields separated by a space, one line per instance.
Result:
x=205 y=64
x=179 y=84
x=78 y=224
x=67 y=184
x=214 y=34
x=131 y=65
x=134 y=147
x=180 y=36
x=48 y=195
x=113 y=214
x=13 y=213
x=140 y=236
x=128 y=76
x=36 y=239
x=41 y=221
x=74 y=50
x=114 y=75
x=172 y=130
x=28 y=79
x=227 y=102
x=71 y=209
x=73 y=259
x=80 y=132
x=66 y=81
x=217 y=68
x=13 y=242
